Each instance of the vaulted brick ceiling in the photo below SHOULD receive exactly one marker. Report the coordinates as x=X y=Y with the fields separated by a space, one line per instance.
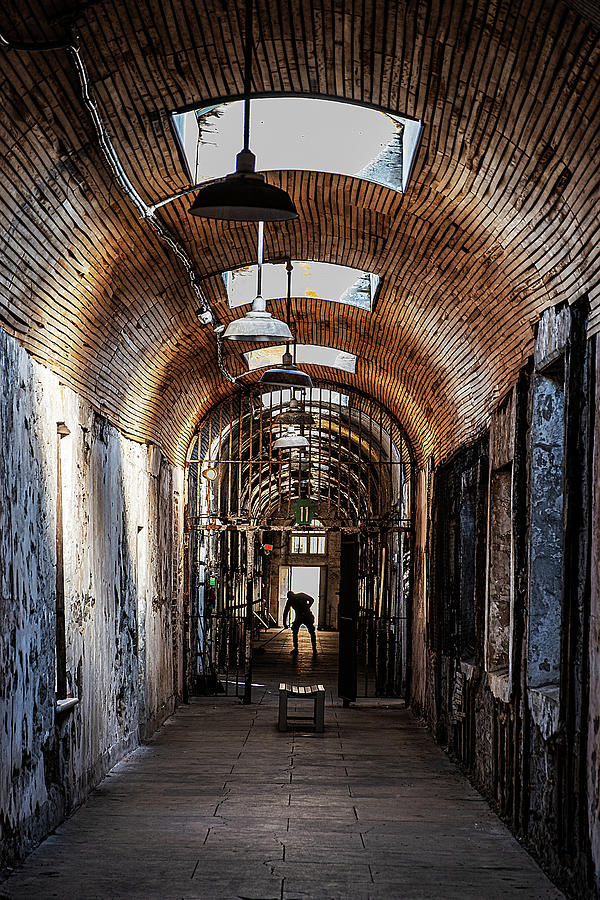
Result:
x=501 y=218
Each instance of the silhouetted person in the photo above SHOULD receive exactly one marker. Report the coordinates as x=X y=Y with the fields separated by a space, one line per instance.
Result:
x=301 y=604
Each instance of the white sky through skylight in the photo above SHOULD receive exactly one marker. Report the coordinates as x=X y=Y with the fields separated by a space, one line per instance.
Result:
x=341 y=284
x=305 y=353
x=300 y=133
x=275 y=397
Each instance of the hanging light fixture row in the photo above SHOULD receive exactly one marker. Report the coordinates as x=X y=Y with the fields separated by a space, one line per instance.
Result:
x=258 y=325
x=287 y=374
x=295 y=414
x=244 y=195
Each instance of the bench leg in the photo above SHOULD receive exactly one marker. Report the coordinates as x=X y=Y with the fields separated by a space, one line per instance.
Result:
x=283 y=698
x=320 y=712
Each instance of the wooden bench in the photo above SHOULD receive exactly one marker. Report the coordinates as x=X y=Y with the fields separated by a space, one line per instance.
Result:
x=314 y=692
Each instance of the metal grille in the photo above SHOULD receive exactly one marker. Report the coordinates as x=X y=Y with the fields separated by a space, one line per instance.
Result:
x=357 y=472
x=357 y=468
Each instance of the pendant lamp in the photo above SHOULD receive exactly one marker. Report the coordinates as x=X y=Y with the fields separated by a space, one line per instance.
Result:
x=291 y=441
x=287 y=374
x=258 y=325
x=244 y=195
x=295 y=414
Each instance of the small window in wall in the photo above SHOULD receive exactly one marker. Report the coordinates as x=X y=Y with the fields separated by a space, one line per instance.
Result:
x=546 y=532
x=299 y=543
x=317 y=544
x=313 y=543
x=500 y=570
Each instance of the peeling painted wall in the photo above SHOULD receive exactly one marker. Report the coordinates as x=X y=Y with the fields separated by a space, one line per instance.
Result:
x=546 y=542
x=593 y=750
x=524 y=733
x=500 y=570
x=120 y=591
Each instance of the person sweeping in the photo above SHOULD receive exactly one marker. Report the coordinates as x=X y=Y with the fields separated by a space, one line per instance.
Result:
x=301 y=604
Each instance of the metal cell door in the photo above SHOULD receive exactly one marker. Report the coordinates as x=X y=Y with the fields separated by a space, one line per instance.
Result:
x=348 y=617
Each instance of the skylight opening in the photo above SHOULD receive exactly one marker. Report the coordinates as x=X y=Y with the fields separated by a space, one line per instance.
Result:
x=304 y=134
x=325 y=281
x=314 y=397
x=305 y=353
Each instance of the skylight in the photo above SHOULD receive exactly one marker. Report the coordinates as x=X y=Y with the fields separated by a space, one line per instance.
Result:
x=316 y=396
x=305 y=353
x=301 y=133
x=327 y=281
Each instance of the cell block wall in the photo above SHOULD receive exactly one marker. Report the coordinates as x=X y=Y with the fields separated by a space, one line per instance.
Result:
x=117 y=536
x=546 y=541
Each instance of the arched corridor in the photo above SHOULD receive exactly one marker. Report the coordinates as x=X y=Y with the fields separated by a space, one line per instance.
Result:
x=299 y=313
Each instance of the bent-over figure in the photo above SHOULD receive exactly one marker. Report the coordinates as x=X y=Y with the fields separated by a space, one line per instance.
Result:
x=301 y=604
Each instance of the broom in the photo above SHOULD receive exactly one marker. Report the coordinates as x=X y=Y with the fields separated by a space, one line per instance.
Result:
x=261 y=649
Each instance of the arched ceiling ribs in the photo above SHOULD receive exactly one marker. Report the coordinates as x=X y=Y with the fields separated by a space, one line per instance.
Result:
x=500 y=220
x=357 y=457
x=199 y=387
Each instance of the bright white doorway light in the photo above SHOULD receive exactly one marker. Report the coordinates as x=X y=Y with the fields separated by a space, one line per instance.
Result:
x=299 y=578
x=301 y=133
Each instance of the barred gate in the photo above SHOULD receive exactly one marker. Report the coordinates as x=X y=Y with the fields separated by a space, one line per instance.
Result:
x=221 y=654
x=381 y=655
x=216 y=602
x=384 y=590
x=357 y=471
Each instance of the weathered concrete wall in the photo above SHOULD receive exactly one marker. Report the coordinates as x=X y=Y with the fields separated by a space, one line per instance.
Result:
x=546 y=539
x=523 y=732
x=500 y=542
x=542 y=752
x=500 y=570
x=593 y=750
x=547 y=485
x=119 y=586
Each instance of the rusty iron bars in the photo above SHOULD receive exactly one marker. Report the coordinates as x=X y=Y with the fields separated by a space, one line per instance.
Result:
x=381 y=655
x=384 y=588
x=220 y=619
x=357 y=470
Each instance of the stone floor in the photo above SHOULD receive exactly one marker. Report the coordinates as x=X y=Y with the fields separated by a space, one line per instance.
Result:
x=222 y=805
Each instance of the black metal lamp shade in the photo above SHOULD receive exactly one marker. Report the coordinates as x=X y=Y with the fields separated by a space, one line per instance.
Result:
x=295 y=414
x=286 y=376
x=291 y=441
x=243 y=196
